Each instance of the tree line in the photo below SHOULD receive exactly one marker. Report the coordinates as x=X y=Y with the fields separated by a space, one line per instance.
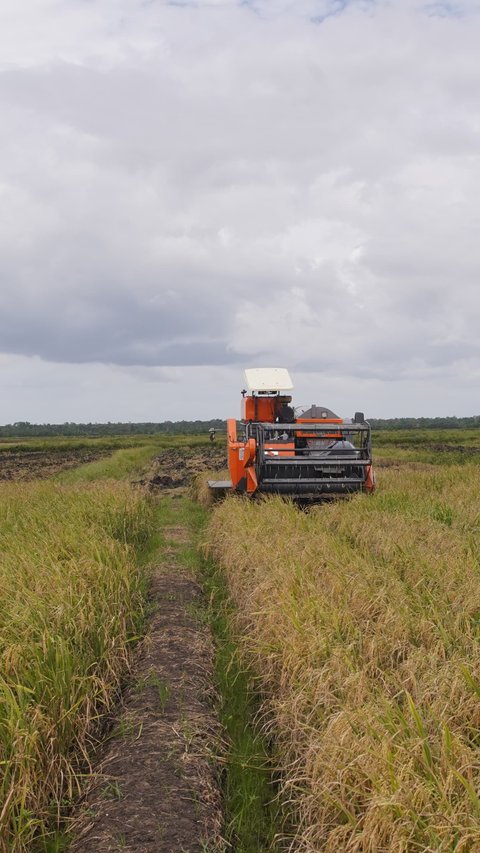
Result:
x=24 y=429
x=425 y=423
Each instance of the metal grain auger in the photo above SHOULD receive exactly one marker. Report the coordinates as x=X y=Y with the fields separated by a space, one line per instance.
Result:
x=312 y=455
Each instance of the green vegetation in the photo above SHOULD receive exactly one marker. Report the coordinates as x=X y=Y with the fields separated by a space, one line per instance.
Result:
x=360 y=620
x=62 y=445
x=24 y=429
x=102 y=444
x=427 y=447
x=121 y=465
x=72 y=596
x=407 y=424
x=251 y=808
x=433 y=438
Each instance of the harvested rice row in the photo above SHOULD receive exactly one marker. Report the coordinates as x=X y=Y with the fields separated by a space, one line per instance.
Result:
x=362 y=621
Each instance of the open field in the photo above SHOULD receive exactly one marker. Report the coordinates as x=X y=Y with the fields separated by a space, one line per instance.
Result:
x=355 y=625
x=430 y=438
x=88 y=459
x=360 y=619
x=39 y=458
x=427 y=447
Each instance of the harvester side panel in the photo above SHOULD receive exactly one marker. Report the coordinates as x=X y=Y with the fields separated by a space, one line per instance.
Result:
x=241 y=460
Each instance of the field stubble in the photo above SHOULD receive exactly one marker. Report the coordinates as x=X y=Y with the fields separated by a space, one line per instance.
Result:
x=362 y=622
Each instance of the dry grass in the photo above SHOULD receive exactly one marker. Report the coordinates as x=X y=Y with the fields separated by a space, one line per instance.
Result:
x=71 y=597
x=199 y=490
x=362 y=620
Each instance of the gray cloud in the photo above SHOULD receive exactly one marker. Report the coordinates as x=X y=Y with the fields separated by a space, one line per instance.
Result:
x=219 y=183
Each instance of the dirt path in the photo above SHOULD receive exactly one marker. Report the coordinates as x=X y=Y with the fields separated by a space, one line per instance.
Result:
x=156 y=790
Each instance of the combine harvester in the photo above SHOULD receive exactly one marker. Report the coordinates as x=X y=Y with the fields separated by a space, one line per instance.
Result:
x=309 y=455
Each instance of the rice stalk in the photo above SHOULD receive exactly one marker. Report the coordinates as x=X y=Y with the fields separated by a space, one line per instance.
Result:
x=71 y=597
x=362 y=622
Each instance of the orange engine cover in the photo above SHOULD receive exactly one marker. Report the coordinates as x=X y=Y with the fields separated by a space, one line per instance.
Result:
x=259 y=409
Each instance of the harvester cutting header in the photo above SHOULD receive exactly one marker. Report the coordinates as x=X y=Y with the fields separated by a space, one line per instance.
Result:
x=311 y=453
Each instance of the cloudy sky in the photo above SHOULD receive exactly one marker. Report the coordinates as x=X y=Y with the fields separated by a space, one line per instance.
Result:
x=191 y=188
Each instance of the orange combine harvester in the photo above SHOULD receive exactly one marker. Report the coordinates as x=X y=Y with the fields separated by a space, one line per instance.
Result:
x=310 y=454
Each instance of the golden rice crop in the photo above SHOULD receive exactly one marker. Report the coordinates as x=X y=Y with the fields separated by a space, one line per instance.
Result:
x=70 y=599
x=200 y=490
x=362 y=621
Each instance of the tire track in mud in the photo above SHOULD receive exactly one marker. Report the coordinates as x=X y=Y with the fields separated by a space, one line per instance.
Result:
x=156 y=787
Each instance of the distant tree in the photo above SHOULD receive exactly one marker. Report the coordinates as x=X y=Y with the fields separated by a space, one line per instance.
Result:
x=25 y=429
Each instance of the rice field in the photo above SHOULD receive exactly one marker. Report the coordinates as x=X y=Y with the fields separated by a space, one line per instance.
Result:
x=361 y=621
x=358 y=621
x=71 y=600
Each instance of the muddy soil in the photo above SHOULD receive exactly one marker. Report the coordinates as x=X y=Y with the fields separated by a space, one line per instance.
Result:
x=155 y=789
x=436 y=448
x=174 y=468
x=156 y=781
x=34 y=465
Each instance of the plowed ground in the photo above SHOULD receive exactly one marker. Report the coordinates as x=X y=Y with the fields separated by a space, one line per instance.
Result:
x=34 y=465
x=174 y=469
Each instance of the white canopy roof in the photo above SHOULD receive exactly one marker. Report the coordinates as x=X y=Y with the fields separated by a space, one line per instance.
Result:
x=268 y=379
